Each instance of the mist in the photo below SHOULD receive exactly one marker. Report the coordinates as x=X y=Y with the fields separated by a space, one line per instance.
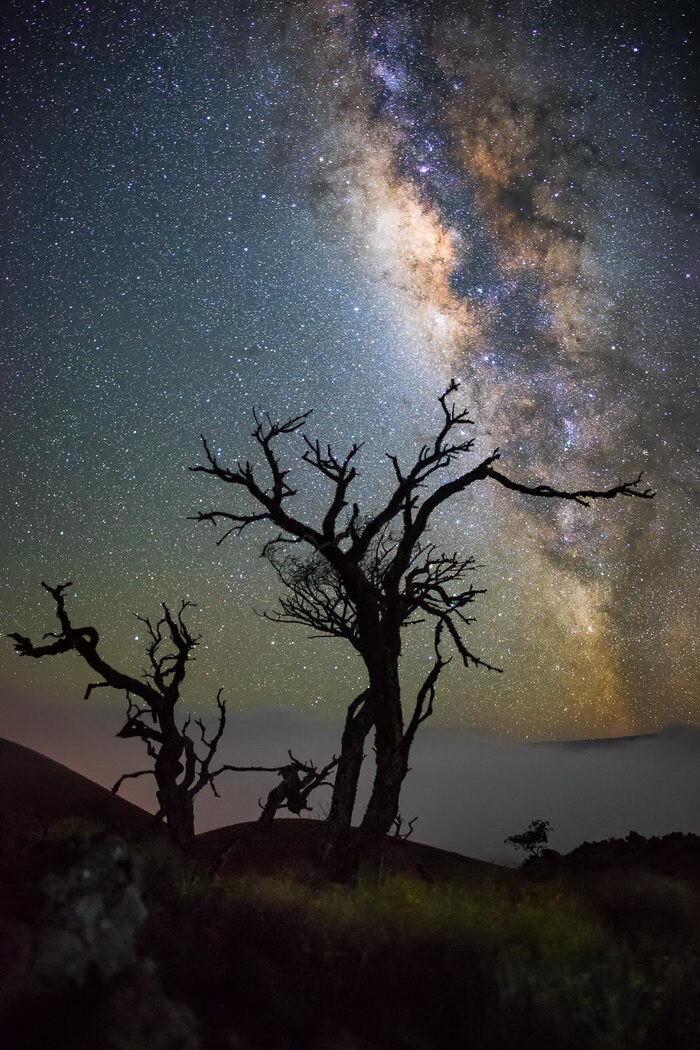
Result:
x=468 y=789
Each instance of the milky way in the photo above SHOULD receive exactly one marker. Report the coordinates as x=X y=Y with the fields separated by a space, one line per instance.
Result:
x=342 y=205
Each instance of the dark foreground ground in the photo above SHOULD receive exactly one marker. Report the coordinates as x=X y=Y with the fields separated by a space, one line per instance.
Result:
x=109 y=939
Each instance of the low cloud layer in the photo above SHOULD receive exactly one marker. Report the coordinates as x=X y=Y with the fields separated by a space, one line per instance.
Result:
x=468 y=789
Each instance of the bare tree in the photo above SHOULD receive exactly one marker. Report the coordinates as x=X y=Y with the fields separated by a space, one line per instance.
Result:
x=383 y=574
x=315 y=599
x=181 y=768
x=298 y=780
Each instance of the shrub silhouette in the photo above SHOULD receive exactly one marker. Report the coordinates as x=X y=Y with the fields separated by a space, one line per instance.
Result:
x=534 y=839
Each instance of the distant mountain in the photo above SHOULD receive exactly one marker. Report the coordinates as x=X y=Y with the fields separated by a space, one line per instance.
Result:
x=35 y=790
x=680 y=735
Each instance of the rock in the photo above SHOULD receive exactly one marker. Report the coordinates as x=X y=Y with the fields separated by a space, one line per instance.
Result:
x=79 y=979
x=91 y=915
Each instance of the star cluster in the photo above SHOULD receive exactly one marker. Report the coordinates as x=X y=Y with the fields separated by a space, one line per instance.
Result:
x=341 y=205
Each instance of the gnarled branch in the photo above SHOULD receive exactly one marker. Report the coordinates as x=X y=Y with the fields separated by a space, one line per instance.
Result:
x=131 y=776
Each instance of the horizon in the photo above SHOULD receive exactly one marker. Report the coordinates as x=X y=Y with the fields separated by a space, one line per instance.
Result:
x=468 y=788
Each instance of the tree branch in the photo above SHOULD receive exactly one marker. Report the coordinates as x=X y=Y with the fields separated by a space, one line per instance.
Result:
x=130 y=776
x=425 y=698
x=581 y=496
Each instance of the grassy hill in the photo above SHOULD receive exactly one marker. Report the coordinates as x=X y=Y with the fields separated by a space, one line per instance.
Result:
x=105 y=946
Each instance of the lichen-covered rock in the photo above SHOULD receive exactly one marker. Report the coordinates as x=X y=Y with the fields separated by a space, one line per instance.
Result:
x=91 y=915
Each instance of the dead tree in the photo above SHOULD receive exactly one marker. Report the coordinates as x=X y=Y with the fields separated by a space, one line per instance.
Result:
x=381 y=572
x=180 y=771
x=316 y=599
x=298 y=780
x=358 y=723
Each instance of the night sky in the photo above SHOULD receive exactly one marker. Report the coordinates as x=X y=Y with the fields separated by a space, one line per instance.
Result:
x=208 y=206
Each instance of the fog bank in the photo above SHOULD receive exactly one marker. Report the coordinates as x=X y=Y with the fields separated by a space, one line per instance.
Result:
x=468 y=789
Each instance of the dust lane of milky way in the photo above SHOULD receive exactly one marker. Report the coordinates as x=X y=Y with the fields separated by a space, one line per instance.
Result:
x=342 y=205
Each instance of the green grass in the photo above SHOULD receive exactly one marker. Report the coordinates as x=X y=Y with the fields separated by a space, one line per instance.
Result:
x=409 y=965
x=604 y=961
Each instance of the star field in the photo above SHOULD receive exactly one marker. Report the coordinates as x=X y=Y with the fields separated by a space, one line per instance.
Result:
x=209 y=206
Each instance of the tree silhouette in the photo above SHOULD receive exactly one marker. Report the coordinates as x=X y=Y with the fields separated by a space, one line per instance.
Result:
x=359 y=719
x=316 y=599
x=298 y=781
x=534 y=839
x=180 y=771
x=371 y=576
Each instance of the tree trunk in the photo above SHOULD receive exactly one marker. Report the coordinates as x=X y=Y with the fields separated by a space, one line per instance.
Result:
x=178 y=812
x=173 y=798
x=383 y=805
x=269 y=811
x=391 y=759
x=336 y=857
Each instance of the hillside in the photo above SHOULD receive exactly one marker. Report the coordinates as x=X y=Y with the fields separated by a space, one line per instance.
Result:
x=289 y=847
x=35 y=790
x=106 y=944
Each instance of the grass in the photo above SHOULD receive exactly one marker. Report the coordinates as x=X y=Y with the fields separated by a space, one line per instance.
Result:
x=606 y=961
x=408 y=965
x=603 y=961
